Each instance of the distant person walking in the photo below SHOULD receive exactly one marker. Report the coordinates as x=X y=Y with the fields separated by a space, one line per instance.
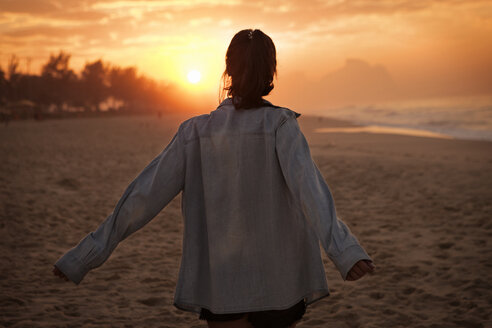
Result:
x=255 y=206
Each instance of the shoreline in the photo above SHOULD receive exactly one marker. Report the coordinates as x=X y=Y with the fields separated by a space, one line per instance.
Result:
x=335 y=125
x=332 y=124
x=381 y=128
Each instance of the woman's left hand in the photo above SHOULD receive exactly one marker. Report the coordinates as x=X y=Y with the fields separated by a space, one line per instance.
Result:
x=60 y=274
x=360 y=269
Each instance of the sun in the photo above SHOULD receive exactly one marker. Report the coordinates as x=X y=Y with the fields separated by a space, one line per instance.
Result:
x=194 y=76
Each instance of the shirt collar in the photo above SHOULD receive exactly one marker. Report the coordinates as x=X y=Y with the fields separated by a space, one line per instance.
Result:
x=228 y=101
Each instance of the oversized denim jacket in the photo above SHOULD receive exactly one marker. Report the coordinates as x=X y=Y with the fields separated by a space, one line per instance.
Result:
x=255 y=208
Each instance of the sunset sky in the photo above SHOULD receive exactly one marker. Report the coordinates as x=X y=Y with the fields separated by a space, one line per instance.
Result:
x=330 y=53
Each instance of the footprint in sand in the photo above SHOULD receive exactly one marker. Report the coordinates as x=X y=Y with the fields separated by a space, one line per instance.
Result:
x=69 y=183
x=442 y=256
x=113 y=277
x=479 y=242
x=468 y=324
x=314 y=323
x=70 y=310
x=385 y=255
x=409 y=290
x=451 y=209
x=454 y=303
x=376 y=295
x=445 y=245
x=150 y=280
x=9 y=300
x=152 y=301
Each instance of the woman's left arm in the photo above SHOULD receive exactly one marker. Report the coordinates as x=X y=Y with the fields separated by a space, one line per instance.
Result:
x=143 y=199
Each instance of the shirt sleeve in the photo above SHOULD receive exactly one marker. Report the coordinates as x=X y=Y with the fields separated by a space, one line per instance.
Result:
x=316 y=201
x=144 y=198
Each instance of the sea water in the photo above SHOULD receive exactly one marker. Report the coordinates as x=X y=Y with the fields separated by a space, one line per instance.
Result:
x=461 y=118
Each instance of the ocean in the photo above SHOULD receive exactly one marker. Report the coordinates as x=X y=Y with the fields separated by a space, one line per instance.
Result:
x=460 y=118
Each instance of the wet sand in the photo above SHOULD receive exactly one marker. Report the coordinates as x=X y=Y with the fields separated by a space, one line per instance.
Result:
x=422 y=208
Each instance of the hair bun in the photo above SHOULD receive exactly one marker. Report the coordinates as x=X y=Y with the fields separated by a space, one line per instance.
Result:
x=250 y=68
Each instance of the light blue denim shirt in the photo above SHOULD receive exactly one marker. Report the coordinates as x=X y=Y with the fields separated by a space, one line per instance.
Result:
x=255 y=208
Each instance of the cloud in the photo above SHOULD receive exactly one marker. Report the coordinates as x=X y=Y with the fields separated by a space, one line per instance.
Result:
x=168 y=4
x=32 y=7
x=200 y=21
x=314 y=34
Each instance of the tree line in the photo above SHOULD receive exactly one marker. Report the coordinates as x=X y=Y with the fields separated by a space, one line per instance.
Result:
x=98 y=87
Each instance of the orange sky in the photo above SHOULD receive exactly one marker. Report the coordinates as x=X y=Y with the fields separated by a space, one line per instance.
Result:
x=330 y=53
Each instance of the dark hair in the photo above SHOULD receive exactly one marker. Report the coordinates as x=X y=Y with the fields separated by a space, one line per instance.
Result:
x=251 y=64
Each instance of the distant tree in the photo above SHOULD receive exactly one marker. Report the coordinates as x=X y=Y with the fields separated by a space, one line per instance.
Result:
x=124 y=84
x=150 y=93
x=95 y=83
x=13 y=79
x=60 y=86
x=57 y=67
x=13 y=67
x=138 y=92
x=32 y=88
x=58 y=81
x=3 y=87
x=155 y=95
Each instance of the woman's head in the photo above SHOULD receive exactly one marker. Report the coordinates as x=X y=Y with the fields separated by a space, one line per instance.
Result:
x=251 y=64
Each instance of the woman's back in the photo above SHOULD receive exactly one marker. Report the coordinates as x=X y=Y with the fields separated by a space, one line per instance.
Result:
x=247 y=245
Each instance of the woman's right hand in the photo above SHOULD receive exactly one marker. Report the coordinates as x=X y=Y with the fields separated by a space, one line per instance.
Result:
x=58 y=273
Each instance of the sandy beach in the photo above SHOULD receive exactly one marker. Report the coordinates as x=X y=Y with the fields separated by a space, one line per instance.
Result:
x=420 y=206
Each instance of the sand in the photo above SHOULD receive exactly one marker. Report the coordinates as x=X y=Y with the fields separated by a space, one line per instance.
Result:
x=420 y=206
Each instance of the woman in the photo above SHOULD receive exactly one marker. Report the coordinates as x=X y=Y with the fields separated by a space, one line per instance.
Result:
x=255 y=206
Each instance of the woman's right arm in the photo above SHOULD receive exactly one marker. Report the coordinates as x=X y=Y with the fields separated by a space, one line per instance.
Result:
x=309 y=187
x=159 y=182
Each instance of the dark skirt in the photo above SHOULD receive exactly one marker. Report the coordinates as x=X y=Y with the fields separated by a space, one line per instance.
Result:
x=262 y=319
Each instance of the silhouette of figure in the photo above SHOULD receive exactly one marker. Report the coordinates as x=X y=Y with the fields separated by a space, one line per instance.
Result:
x=254 y=203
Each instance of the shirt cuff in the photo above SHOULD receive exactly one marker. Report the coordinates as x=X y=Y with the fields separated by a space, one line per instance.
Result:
x=72 y=267
x=346 y=260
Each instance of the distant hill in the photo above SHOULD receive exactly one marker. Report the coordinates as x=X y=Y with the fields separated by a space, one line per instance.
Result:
x=355 y=83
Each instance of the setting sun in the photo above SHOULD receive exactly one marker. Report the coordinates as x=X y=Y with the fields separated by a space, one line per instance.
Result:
x=194 y=76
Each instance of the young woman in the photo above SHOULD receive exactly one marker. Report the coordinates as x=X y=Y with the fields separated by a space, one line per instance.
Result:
x=255 y=207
